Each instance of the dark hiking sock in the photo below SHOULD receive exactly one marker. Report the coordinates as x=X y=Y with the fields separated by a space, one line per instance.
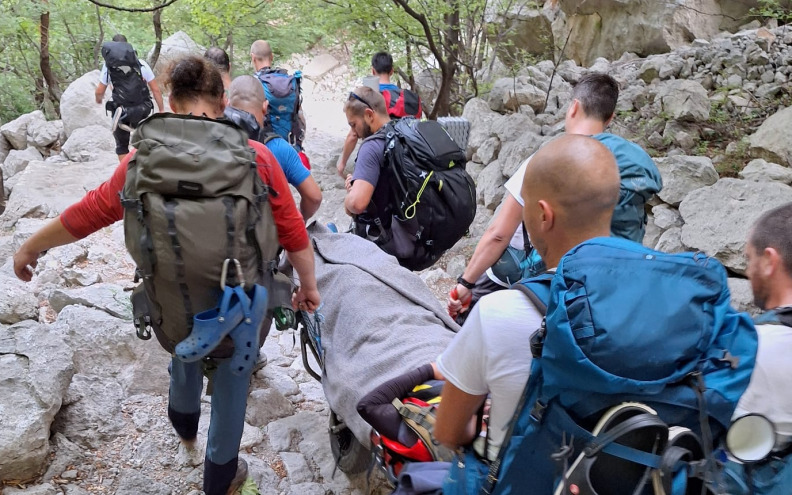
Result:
x=217 y=477
x=185 y=424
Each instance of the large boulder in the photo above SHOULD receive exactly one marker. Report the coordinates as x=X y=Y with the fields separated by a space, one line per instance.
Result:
x=45 y=189
x=78 y=104
x=682 y=174
x=478 y=113
x=513 y=153
x=719 y=217
x=509 y=93
x=771 y=141
x=742 y=298
x=89 y=143
x=523 y=28
x=759 y=170
x=17 y=302
x=173 y=48
x=608 y=28
x=37 y=367
x=18 y=160
x=43 y=134
x=684 y=100
x=16 y=131
x=489 y=186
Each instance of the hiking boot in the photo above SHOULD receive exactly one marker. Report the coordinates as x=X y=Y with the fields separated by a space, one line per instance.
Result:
x=239 y=478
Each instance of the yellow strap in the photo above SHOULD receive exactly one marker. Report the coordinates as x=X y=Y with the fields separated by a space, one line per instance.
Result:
x=412 y=207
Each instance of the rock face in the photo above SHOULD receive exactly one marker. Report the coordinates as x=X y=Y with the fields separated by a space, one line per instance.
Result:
x=78 y=104
x=45 y=189
x=43 y=134
x=719 y=217
x=523 y=28
x=771 y=142
x=37 y=368
x=18 y=160
x=89 y=143
x=608 y=28
x=174 y=47
x=16 y=131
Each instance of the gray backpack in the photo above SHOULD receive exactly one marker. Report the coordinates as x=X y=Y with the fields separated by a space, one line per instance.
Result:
x=192 y=200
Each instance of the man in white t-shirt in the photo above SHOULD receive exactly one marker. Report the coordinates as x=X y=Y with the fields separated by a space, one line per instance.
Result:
x=769 y=252
x=133 y=83
x=495 y=262
x=570 y=191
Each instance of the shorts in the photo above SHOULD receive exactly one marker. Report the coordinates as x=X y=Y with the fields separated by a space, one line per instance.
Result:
x=132 y=117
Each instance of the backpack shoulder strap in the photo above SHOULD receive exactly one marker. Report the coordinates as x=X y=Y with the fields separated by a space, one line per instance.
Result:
x=776 y=316
x=537 y=289
x=269 y=136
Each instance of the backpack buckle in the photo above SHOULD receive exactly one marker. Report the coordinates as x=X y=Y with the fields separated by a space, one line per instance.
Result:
x=538 y=410
x=537 y=340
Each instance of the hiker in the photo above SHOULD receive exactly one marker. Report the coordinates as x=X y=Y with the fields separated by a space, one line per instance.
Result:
x=586 y=379
x=132 y=79
x=196 y=96
x=415 y=201
x=400 y=103
x=501 y=257
x=285 y=115
x=246 y=102
x=572 y=186
x=769 y=253
x=219 y=57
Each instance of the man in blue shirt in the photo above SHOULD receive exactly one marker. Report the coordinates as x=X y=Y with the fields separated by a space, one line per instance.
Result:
x=247 y=94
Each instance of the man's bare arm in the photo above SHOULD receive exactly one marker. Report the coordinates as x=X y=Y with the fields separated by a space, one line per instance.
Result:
x=454 y=427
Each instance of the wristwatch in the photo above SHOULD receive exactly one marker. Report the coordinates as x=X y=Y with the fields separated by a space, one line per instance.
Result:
x=464 y=283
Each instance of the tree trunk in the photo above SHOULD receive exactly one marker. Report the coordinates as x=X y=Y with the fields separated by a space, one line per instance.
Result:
x=158 y=36
x=98 y=45
x=44 y=59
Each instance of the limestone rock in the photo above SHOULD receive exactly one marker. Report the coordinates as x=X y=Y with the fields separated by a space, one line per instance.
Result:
x=37 y=367
x=5 y=148
x=489 y=185
x=78 y=104
x=511 y=127
x=666 y=217
x=511 y=92
x=719 y=217
x=110 y=298
x=742 y=295
x=488 y=151
x=45 y=189
x=671 y=241
x=47 y=489
x=480 y=116
x=43 y=134
x=91 y=413
x=759 y=170
x=16 y=131
x=682 y=174
x=174 y=47
x=512 y=154
x=296 y=467
x=267 y=405
x=18 y=160
x=523 y=28
x=89 y=143
x=771 y=142
x=684 y=100
x=652 y=233
x=133 y=482
x=16 y=302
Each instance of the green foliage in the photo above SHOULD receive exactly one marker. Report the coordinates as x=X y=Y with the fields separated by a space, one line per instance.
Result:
x=781 y=10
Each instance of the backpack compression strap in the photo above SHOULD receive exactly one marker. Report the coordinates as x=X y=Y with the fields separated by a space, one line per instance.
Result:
x=776 y=316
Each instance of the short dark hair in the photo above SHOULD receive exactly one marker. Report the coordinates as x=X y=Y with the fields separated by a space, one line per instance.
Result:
x=597 y=93
x=774 y=229
x=382 y=63
x=120 y=37
x=364 y=97
x=219 y=57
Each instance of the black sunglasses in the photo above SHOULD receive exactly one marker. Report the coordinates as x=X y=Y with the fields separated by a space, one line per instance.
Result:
x=352 y=96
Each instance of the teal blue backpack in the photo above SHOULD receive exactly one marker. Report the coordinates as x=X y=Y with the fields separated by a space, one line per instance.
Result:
x=623 y=323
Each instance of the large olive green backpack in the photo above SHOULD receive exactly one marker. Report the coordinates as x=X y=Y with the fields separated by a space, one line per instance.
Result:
x=193 y=199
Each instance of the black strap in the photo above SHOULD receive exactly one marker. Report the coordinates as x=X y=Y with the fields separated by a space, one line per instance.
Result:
x=626 y=427
x=170 y=214
x=538 y=303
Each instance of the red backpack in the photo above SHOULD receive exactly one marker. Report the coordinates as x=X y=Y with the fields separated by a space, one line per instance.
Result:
x=402 y=103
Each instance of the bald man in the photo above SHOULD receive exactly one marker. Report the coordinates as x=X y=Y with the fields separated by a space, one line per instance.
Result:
x=570 y=191
x=261 y=55
x=246 y=96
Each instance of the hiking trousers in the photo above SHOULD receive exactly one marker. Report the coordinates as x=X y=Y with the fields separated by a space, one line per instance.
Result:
x=227 y=420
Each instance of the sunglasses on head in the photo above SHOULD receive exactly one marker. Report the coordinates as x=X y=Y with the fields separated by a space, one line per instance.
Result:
x=353 y=96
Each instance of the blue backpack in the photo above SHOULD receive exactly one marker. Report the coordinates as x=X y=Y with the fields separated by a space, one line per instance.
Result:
x=285 y=99
x=623 y=323
x=773 y=475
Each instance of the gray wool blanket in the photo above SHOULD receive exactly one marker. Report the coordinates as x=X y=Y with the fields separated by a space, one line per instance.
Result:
x=380 y=321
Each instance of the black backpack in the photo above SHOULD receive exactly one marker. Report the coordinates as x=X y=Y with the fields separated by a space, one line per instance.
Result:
x=431 y=193
x=126 y=74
